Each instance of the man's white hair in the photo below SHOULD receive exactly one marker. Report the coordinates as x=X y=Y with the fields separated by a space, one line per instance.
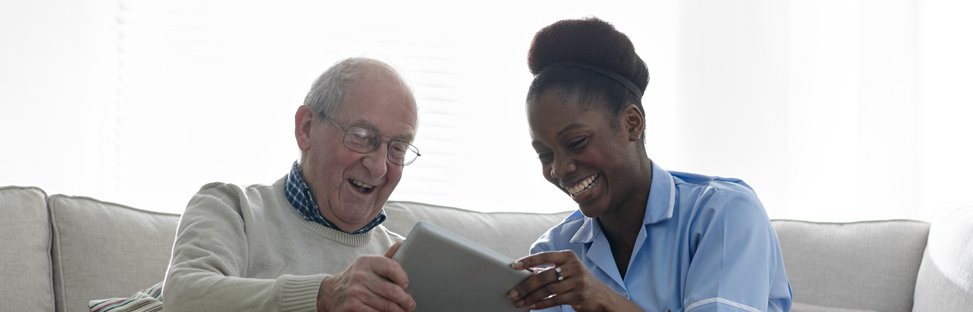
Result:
x=328 y=91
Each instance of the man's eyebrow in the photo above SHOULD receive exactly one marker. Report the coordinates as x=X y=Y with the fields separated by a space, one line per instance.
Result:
x=404 y=138
x=371 y=127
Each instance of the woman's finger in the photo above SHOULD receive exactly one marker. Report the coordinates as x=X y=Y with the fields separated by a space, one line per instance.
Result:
x=545 y=291
x=570 y=298
x=554 y=258
x=556 y=285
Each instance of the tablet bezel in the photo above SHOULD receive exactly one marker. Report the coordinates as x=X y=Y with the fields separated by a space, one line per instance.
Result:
x=448 y=272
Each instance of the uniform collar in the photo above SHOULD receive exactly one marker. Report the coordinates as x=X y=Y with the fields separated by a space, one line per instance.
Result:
x=658 y=208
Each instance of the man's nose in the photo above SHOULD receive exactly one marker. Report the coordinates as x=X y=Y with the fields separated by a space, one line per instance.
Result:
x=377 y=161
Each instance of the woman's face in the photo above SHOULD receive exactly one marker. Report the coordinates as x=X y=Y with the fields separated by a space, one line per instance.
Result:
x=585 y=152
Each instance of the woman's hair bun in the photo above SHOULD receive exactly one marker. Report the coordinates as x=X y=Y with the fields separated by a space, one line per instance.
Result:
x=588 y=41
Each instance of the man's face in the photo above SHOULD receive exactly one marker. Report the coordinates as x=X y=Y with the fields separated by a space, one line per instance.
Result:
x=351 y=187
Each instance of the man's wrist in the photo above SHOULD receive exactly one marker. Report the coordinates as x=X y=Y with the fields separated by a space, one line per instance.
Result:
x=325 y=294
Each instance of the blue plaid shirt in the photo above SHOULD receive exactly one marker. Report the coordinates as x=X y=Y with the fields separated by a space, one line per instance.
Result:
x=299 y=195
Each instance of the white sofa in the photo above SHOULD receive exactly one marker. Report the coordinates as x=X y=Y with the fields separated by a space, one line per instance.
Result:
x=60 y=251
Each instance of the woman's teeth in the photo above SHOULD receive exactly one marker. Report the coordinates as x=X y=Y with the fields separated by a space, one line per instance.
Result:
x=581 y=186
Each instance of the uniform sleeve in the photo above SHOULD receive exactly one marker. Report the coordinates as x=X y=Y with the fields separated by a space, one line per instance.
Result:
x=209 y=258
x=542 y=244
x=737 y=263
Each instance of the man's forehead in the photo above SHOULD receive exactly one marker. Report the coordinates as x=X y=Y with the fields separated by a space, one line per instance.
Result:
x=379 y=100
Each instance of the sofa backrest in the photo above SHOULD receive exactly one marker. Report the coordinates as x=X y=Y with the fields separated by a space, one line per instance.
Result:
x=60 y=251
x=510 y=233
x=25 y=244
x=104 y=250
x=860 y=265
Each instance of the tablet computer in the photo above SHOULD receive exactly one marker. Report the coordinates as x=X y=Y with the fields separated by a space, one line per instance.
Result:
x=448 y=272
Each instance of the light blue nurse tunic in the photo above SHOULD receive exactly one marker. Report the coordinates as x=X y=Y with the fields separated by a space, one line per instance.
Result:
x=706 y=244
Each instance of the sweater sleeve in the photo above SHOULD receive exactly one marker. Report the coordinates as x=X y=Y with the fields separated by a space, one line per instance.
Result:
x=209 y=260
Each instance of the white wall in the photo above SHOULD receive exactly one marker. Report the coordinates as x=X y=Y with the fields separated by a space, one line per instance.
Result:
x=56 y=95
x=831 y=110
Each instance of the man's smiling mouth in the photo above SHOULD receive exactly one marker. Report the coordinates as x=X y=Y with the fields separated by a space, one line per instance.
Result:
x=362 y=186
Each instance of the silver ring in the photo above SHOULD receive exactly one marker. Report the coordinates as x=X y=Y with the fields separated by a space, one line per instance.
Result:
x=557 y=271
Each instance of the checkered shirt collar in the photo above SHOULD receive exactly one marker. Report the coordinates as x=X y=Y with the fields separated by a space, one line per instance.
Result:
x=300 y=196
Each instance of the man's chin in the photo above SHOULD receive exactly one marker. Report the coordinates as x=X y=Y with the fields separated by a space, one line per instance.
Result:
x=354 y=217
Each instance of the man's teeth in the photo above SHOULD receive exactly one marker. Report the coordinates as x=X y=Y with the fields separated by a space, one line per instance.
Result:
x=361 y=185
x=581 y=186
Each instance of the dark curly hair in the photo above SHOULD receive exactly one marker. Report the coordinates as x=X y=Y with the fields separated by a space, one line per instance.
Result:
x=574 y=55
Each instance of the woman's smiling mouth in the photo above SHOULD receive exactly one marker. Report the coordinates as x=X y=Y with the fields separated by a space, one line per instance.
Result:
x=582 y=186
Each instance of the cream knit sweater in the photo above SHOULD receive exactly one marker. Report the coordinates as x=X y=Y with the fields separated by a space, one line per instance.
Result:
x=250 y=250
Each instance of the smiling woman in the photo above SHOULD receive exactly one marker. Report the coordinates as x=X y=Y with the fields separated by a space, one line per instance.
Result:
x=822 y=106
x=696 y=238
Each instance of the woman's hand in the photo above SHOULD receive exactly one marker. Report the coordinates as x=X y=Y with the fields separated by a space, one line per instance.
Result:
x=566 y=281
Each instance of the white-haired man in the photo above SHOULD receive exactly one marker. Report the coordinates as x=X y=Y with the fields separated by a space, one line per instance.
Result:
x=313 y=240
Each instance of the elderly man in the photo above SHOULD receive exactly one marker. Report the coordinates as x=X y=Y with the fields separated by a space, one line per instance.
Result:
x=313 y=240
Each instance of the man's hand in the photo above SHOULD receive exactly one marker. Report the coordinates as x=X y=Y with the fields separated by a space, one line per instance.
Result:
x=372 y=283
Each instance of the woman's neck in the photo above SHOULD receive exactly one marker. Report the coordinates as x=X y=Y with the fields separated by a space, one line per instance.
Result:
x=622 y=225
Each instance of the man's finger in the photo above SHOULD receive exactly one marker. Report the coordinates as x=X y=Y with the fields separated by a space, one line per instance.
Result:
x=374 y=302
x=390 y=270
x=389 y=293
x=392 y=250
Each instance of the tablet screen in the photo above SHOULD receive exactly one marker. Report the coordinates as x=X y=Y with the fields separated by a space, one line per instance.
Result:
x=448 y=272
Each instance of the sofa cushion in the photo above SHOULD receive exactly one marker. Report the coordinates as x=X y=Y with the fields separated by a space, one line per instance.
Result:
x=510 y=233
x=104 y=250
x=861 y=265
x=945 y=281
x=25 y=250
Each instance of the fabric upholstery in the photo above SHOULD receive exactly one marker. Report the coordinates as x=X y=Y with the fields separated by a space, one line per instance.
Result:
x=945 y=281
x=104 y=250
x=510 y=233
x=879 y=261
x=69 y=250
x=25 y=244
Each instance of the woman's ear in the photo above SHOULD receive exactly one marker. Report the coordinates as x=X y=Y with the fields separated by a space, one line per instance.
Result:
x=302 y=126
x=634 y=122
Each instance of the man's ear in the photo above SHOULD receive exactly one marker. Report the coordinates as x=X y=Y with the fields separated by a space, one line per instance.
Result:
x=302 y=126
x=634 y=122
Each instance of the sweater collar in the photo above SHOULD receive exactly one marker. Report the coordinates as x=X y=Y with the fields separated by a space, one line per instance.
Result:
x=299 y=195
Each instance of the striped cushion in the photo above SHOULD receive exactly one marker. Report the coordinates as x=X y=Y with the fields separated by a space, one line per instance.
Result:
x=147 y=300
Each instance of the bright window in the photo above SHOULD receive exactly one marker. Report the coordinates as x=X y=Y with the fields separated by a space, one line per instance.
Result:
x=831 y=110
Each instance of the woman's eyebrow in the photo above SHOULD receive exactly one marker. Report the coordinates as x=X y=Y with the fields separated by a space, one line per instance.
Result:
x=570 y=127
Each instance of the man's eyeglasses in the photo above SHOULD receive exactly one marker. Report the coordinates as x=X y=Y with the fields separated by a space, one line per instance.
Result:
x=365 y=141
